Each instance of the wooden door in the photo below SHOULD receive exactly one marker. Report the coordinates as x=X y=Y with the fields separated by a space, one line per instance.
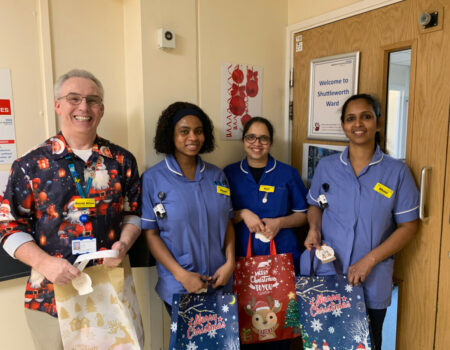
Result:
x=443 y=307
x=423 y=312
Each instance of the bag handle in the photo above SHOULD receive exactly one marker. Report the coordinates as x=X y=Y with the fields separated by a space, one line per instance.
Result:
x=84 y=259
x=310 y=264
x=273 y=249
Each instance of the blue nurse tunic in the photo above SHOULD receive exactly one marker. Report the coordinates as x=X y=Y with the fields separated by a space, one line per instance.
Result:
x=196 y=221
x=362 y=213
x=288 y=197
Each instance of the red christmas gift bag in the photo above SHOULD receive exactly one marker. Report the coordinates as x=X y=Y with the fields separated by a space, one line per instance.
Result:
x=267 y=302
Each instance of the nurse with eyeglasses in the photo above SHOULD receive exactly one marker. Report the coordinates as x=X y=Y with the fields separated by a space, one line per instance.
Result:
x=268 y=200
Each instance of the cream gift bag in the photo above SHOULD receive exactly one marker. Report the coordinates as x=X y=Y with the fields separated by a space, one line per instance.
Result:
x=107 y=317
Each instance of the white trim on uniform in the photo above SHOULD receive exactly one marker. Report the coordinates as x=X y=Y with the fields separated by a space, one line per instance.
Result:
x=377 y=161
x=309 y=194
x=148 y=220
x=406 y=211
x=242 y=169
x=274 y=166
x=173 y=171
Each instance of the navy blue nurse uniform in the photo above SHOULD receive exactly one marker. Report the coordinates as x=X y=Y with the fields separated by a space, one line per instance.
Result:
x=195 y=225
x=363 y=211
x=288 y=197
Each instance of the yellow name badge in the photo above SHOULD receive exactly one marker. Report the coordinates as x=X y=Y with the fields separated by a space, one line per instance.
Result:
x=223 y=190
x=84 y=202
x=266 y=188
x=385 y=191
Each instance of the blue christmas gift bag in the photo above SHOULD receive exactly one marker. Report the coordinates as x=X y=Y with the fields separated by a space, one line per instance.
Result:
x=204 y=321
x=333 y=313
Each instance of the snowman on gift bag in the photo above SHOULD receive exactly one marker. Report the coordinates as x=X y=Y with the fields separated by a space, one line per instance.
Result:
x=313 y=347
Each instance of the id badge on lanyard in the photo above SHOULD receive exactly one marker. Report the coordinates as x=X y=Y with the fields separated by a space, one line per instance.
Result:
x=83 y=245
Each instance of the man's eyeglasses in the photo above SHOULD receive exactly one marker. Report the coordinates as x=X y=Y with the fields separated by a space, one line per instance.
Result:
x=263 y=139
x=76 y=99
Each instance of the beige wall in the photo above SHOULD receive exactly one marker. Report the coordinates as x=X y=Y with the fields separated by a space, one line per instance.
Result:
x=169 y=74
x=248 y=32
x=134 y=79
x=299 y=10
x=20 y=53
x=89 y=35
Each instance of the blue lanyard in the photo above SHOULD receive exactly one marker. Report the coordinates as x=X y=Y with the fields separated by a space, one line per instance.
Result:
x=76 y=177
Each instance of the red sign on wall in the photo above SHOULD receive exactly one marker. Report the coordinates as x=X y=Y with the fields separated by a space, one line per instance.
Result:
x=5 y=107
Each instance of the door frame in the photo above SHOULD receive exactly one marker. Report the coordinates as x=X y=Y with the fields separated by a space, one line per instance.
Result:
x=326 y=18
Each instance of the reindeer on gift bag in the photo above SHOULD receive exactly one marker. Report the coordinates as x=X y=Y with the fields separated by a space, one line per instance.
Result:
x=264 y=317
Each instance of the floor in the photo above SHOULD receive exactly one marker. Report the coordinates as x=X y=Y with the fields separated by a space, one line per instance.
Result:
x=390 y=323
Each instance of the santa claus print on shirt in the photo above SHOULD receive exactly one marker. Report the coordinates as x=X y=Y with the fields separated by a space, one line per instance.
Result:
x=100 y=190
x=72 y=227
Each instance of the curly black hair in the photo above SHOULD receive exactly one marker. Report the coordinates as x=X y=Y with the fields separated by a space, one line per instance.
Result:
x=163 y=141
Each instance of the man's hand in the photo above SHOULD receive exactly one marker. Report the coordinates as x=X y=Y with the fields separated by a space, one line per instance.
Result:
x=114 y=262
x=128 y=236
x=57 y=270
x=223 y=274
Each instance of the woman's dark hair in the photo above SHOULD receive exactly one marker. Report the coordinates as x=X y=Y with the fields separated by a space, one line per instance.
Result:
x=258 y=120
x=163 y=141
x=372 y=101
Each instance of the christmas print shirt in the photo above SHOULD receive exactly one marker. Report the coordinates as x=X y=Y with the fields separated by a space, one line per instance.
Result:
x=39 y=201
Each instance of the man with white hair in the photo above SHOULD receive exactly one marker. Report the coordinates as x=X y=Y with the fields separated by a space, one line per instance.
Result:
x=38 y=230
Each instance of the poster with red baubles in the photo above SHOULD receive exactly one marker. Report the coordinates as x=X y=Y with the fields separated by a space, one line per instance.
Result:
x=241 y=97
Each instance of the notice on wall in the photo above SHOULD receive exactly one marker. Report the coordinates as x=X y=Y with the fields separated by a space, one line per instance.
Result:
x=3 y=182
x=8 y=152
x=333 y=80
x=241 y=98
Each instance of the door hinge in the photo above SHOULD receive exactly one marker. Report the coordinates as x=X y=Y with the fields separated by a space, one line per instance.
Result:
x=291 y=78
x=291 y=110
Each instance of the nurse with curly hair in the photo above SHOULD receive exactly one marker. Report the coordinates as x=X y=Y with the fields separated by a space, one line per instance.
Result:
x=186 y=208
